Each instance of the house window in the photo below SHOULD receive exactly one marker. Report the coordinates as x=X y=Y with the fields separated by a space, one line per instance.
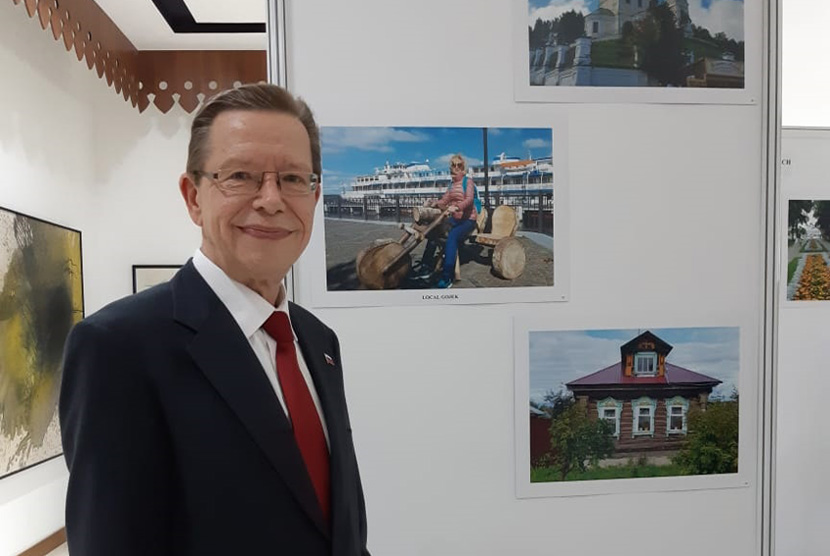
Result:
x=639 y=3
x=645 y=364
x=610 y=410
x=643 y=410
x=676 y=410
x=596 y=27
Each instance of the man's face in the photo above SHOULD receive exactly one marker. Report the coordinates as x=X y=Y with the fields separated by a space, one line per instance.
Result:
x=253 y=237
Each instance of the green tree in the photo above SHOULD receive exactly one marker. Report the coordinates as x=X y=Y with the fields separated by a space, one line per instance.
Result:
x=822 y=214
x=797 y=217
x=660 y=42
x=570 y=26
x=578 y=441
x=712 y=443
x=539 y=33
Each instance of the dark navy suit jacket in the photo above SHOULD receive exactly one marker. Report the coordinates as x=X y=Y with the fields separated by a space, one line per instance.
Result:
x=176 y=444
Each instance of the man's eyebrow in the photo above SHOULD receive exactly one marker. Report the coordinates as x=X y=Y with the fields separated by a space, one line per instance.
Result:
x=235 y=162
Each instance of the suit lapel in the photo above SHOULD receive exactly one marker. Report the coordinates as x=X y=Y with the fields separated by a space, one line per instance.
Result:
x=328 y=380
x=223 y=354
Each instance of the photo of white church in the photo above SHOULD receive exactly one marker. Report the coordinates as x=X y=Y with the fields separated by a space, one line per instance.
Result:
x=636 y=43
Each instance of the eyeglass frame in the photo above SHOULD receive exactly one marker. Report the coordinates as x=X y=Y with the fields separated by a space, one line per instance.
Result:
x=461 y=165
x=314 y=181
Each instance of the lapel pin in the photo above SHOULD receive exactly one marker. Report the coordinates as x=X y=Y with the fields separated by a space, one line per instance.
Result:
x=329 y=360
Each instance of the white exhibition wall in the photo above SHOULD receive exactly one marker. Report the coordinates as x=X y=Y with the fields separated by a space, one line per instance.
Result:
x=801 y=486
x=74 y=153
x=666 y=230
x=803 y=447
x=679 y=187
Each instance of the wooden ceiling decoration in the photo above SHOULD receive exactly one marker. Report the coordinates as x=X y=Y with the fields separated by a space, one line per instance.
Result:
x=170 y=76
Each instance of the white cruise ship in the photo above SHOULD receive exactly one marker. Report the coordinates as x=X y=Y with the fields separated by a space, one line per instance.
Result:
x=507 y=176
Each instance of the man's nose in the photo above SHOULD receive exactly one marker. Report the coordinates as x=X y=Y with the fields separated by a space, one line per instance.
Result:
x=270 y=194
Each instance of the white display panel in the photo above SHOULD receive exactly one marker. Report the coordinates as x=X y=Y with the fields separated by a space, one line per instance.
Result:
x=666 y=228
x=801 y=485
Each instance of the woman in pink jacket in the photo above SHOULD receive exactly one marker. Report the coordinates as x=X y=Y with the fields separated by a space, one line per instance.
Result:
x=459 y=200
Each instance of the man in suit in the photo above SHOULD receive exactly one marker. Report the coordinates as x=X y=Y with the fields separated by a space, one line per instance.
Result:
x=207 y=416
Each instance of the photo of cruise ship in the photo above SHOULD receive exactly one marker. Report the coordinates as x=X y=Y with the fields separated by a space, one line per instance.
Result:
x=375 y=173
x=505 y=175
x=379 y=181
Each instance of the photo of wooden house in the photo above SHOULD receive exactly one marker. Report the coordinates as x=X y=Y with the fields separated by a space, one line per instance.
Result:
x=667 y=405
x=644 y=397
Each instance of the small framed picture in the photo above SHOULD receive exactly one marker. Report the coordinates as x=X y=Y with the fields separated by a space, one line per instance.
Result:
x=147 y=276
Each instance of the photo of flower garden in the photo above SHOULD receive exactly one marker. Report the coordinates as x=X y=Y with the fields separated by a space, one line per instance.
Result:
x=808 y=258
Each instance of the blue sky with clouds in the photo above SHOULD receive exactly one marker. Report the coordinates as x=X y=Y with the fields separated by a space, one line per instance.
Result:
x=352 y=151
x=715 y=15
x=558 y=357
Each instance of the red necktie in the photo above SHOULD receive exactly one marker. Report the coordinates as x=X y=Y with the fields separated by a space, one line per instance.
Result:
x=308 y=430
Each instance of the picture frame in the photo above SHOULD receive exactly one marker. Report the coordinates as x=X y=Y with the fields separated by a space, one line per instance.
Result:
x=359 y=214
x=42 y=295
x=706 y=70
x=147 y=276
x=587 y=366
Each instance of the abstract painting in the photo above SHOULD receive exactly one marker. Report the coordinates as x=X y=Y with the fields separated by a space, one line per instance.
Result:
x=41 y=298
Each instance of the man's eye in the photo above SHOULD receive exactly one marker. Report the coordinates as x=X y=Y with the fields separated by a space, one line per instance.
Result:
x=240 y=175
x=292 y=179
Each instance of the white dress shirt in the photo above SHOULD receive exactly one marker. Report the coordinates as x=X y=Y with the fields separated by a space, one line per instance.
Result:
x=250 y=311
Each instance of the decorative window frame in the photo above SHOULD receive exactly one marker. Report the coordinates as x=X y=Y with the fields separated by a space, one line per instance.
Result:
x=677 y=401
x=646 y=402
x=645 y=355
x=617 y=406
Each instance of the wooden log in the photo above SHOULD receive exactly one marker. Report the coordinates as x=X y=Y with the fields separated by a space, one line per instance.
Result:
x=423 y=215
x=509 y=258
x=382 y=266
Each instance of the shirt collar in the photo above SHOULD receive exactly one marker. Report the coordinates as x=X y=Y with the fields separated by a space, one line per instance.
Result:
x=249 y=309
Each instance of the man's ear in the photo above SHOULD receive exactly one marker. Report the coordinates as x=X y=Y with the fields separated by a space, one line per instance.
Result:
x=190 y=194
x=318 y=192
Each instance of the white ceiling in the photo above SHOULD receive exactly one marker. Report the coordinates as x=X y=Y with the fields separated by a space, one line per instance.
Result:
x=147 y=29
x=243 y=11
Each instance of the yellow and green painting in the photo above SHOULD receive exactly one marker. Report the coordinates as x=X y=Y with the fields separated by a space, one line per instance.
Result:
x=41 y=298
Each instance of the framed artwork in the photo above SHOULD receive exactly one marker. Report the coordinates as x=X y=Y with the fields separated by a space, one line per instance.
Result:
x=41 y=298
x=147 y=276
x=601 y=411
x=661 y=51
x=380 y=238
x=808 y=250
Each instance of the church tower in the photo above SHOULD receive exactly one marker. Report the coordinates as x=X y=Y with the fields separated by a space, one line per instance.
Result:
x=680 y=8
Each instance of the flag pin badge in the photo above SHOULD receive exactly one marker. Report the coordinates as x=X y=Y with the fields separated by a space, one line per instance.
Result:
x=329 y=360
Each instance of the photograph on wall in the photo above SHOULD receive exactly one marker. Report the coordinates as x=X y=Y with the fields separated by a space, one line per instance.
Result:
x=808 y=258
x=631 y=404
x=147 y=276
x=463 y=214
x=634 y=45
x=41 y=298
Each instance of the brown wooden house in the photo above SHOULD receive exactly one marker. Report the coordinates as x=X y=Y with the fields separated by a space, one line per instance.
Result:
x=645 y=398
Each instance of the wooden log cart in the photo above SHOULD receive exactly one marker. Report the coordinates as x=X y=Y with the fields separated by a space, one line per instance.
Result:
x=386 y=262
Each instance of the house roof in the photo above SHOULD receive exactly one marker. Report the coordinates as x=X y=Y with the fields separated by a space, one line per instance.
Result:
x=675 y=376
x=647 y=336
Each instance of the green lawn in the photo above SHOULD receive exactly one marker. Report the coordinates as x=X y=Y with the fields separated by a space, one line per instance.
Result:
x=616 y=54
x=612 y=54
x=629 y=471
x=791 y=269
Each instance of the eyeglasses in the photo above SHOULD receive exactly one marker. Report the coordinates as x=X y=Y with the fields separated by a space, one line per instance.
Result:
x=456 y=165
x=244 y=182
